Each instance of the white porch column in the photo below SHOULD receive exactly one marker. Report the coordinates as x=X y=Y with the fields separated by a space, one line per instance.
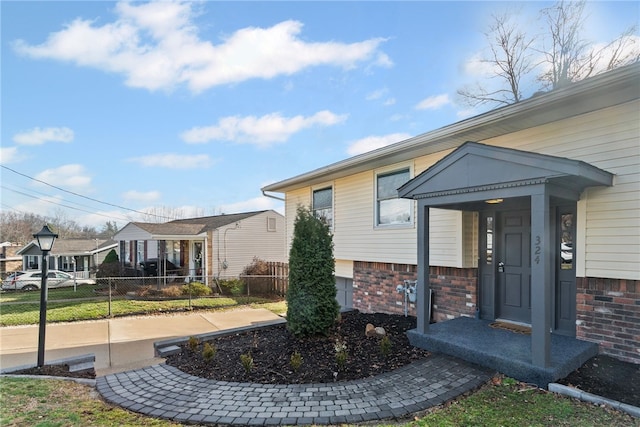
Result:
x=422 y=301
x=541 y=264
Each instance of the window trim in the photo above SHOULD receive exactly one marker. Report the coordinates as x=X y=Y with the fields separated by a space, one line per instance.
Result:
x=333 y=201
x=388 y=171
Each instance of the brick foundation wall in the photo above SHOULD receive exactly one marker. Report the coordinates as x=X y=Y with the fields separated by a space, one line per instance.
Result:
x=608 y=313
x=454 y=292
x=374 y=289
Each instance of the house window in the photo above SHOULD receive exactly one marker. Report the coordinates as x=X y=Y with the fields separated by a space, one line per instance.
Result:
x=271 y=224
x=33 y=262
x=323 y=205
x=140 y=251
x=390 y=209
x=173 y=251
x=489 y=244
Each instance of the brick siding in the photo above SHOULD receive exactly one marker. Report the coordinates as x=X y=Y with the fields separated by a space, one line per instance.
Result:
x=454 y=292
x=608 y=313
x=374 y=287
x=375 y=283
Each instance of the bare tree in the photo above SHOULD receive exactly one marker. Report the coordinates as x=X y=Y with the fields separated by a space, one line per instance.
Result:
x=509 y=60
x=562 y=55
x=569 y=57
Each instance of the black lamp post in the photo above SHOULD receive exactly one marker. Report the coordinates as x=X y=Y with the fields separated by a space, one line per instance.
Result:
x=45 y=239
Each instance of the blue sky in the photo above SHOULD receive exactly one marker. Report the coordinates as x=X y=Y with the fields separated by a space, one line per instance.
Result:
x=192 y=107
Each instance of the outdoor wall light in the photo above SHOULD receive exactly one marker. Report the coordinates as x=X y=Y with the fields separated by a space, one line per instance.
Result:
x=45 y=238
x=494 y=201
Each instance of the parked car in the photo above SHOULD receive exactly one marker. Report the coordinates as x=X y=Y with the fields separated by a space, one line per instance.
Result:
x=30 y=280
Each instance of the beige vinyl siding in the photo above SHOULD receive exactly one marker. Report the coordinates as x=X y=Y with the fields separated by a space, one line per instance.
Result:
x=608 y=233
x=133 y=232
x=470 y=234
x=356 y=237
x=248 y=241
x=344 y=268
x=293 y=199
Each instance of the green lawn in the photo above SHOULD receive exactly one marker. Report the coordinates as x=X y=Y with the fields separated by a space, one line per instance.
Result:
x=23 y=310
x=83 y=291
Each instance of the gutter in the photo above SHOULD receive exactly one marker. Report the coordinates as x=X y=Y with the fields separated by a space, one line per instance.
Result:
x=271 y=196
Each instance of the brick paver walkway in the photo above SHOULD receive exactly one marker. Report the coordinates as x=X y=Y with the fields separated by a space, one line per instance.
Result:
x=165 y=392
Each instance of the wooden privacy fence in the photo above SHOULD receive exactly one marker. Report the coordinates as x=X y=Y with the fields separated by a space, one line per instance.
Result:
x=273 y=280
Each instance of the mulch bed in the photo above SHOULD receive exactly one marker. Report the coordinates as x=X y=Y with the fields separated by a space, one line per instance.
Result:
x=271 y=349
x=608 y=377
x=57 y=371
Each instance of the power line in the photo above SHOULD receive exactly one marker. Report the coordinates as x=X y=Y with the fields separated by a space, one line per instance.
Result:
x=82 y=196
x=60 y=204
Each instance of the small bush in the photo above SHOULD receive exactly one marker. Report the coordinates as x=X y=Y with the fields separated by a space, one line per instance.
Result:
x=193 y=343
x=295 y=361
x=233 y=287
x=172 y=291
x=143 y=291
x=110 y=267
x=247 y=362
x=385 y=345
x=341 y=354
x=196 y=289
x=209 y=351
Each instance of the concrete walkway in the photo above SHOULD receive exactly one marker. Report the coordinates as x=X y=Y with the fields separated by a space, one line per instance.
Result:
x=163 y=391
x=120 y=343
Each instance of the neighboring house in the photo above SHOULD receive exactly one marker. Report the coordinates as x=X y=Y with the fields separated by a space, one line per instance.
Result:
x=9 y=261
x=82 y=256
x=218 y=246
x=537 y=221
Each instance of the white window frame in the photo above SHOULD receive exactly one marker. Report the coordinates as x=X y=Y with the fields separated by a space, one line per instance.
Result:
x=376 y=204
x=333 y=199
x=272 y=224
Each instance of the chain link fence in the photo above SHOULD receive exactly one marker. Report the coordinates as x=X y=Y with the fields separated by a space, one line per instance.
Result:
x=117 y=296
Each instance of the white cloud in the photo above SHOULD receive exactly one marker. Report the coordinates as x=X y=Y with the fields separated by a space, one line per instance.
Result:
x=173 y=161
x=376 y=94
x=37 y=136
x=373 y=142
x=69 y=177
x=389 y=102
x=8 y=155
x=433 y=102
x=143 y=197
x=262 y=131
x=156 y=45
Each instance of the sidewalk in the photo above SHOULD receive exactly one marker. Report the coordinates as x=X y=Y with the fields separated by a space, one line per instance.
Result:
x=122 y=343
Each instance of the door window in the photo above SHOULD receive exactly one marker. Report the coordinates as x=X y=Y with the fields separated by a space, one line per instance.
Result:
x=566 y=241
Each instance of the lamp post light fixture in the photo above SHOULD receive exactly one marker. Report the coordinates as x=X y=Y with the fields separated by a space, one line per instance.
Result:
x=45 y=238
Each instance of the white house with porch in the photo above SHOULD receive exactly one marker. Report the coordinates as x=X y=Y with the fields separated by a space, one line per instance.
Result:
x=204 y=248
x=79 y=256
x=527 y=214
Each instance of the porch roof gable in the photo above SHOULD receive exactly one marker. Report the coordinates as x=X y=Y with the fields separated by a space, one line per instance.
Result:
x=480 y=167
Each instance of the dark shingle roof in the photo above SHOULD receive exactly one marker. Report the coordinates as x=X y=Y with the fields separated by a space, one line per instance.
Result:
x=193 y=226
